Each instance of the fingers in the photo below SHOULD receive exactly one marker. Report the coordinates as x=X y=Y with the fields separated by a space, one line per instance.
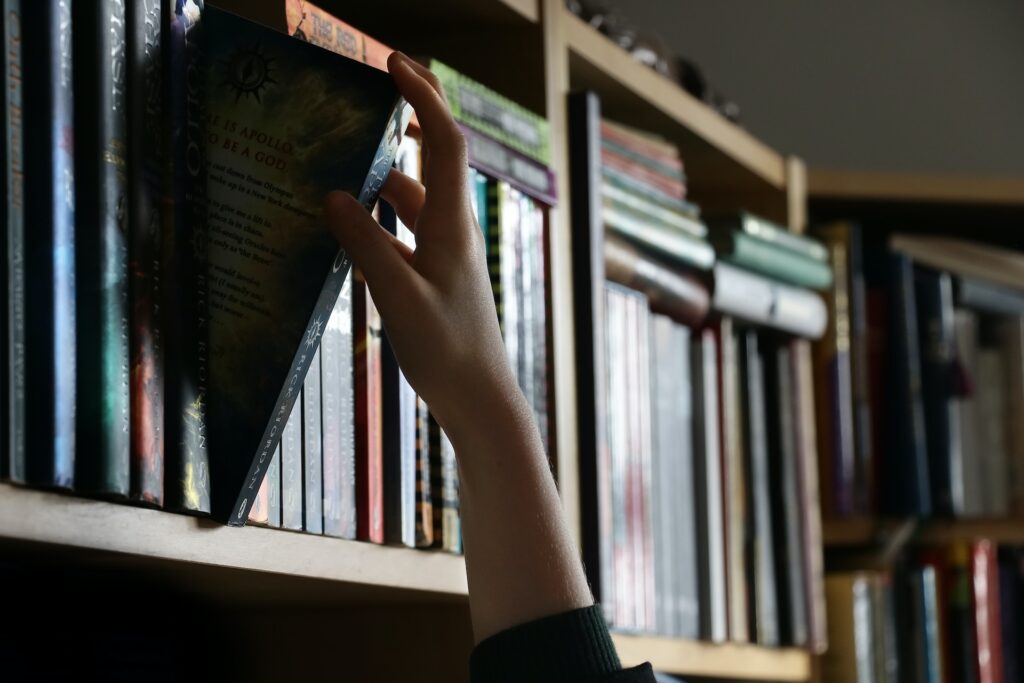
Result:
x=405 y=195
x=443 y=142
x=383 y=260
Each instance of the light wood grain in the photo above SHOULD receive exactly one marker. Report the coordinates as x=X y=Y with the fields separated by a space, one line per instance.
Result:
x=910 y=187
x=715 y=150
x=796 y=194
x=726 y=660
x=27 y=515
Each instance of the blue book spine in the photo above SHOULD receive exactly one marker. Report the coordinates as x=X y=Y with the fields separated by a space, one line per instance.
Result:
x=50 y=245
x=13 y=467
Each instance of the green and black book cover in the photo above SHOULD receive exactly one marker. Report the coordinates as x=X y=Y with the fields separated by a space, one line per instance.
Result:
x=286 y=123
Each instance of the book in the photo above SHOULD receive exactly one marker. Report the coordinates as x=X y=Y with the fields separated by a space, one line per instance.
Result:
x=273 y=480
x=5 y=322
x=444 y=482
x=963 y=258
x=665 y=241
x=186 y=313
x=623 y=181
x=344 y=123
x=102 y=464
x=965 y=326
x=834 y=393
x=1011 y=597
x=424 y=499
x=768 y=232
x=369 y=470
x=12 y=464
x=981 y=295
x=992 y=452
x=503 y=120
x=338 y=418
x=850 y=656
x=926 y=615
x=677 y=294
x=934 y=292
x=960 y=610
x=308 y=22
x=49 y=264
x=615 y=197
x=312 y=447
x=1011 y=338
x=643 y=145
x=762 y=301
x=708 y=489
x=291 y=469
x=504 y=163
x=147 y=154
x=987 y=626
x=612 y=157
x=769 y=258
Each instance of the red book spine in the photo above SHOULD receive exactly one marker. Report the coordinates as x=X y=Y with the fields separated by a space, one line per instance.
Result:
x=641 y=147
x=369 y=456
x=669 y=186
x=985 y=586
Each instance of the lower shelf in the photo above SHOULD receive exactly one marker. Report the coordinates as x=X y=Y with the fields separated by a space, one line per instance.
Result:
x=161 y=537
x=866 y=531
x=725 y=660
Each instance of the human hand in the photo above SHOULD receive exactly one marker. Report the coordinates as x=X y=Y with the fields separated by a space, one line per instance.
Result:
x=435 y=302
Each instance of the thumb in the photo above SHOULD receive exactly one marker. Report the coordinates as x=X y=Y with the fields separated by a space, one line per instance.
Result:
x=371 y=247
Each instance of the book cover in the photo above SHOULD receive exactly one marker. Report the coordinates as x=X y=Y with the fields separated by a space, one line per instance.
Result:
x=312 y=448
x=760 y=300
x=147 y=155
x=50 y=244
x=337 y=391
x=711 y=576
x=185 y=306
x=506 y=164
x=934 y=292
x=306 y=21
x=834 y=390
x=769 y=258
x=287 y=122
x=424 y=499
x=12 y=464
x=368 y=408
x=291 y=469
x=102 y=465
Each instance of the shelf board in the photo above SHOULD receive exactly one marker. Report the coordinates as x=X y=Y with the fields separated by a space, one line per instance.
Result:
x=711 y=660
x=910 y=187
x=868 y=531
x=64 y=521
x=718 y=153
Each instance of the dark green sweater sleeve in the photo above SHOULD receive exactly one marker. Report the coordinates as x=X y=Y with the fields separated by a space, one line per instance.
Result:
x=565 y=648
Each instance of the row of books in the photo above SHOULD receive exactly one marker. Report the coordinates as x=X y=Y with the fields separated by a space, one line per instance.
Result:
x=951 y=613
x=707 y=511
x=920 y=381
x=199 y=347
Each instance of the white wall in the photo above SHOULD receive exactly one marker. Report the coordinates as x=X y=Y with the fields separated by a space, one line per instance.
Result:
x=902 y=85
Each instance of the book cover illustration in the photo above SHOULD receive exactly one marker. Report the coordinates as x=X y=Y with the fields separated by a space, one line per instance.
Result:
x=287 y=122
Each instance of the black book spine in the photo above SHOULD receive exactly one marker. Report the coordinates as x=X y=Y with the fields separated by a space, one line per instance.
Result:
x=146 y=159
x=13 y=460
x=934 y=291
x=101 y=283
x=50 y=244
x=186 y=305
x=312 y=450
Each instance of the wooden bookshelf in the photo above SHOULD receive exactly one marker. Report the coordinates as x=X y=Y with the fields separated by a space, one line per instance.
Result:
x=726 y=660
x=837 y=184
x=160 y=538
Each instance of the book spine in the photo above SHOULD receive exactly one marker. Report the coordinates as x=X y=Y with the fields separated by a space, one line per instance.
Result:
x=762 y=301
x=259 y=513
x=101 y=286
x=14 y=223
x=339 y=419
x=312 y=24
x=369 y=455
x=668 y=168
x=541 y=328
x=645 y=488
x=635 y=205
x=670 y=187
x=863 y=436
x=508 y=165
x=147 y=158
x=683 y=471
x=187 y=485
x=424 y=499
x=934 y=292
x=965 y=324
x=767 y=231
x=960 y=610
x=990 y=385
x=627 y=183
x=767 y=258
x=929 y=618
x=485 y=110
x=1012 y=343
x=291 y=470
x=273 y=480
x=667 y=242
x=642 y=146
x=50 y=244
x=312 y=449
x=708 y=490
x=834 y=397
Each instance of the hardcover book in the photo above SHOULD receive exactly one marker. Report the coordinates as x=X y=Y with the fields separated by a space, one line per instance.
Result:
x=287 y=122
x=369 y=458
x=312 y=449
x=763 y=301
x=101 y=277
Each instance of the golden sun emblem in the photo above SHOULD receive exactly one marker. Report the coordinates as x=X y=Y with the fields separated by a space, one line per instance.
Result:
x=248 y=72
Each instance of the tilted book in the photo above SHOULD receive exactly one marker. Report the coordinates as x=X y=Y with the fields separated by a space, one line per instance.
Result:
x=287 y=122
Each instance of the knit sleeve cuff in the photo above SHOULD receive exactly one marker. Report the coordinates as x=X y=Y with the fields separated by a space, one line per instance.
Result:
x=565 y=647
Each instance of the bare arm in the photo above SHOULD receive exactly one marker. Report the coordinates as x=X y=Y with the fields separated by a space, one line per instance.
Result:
x=438 y=312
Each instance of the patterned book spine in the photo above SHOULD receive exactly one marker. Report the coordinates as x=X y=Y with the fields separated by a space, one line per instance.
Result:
x=101 y=192
x=147 y=158
x=14 y=222
x=50 y=244
x=312 y=451
x=186 y=316
x=291 y=470
x=424 y=501
x=369 y=455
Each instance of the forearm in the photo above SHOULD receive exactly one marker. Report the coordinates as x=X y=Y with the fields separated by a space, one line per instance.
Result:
x=521 y=561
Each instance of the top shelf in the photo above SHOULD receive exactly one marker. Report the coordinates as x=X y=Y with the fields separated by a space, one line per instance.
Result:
x=721 y=154
x=910 y=187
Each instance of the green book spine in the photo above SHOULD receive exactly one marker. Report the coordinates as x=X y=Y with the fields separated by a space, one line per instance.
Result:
x=492 y=114
x=746 y=251
x=664 y=240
